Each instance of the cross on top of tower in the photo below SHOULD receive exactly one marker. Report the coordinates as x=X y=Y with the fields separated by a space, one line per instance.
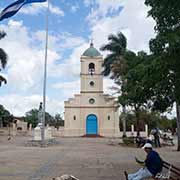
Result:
x=91 y=44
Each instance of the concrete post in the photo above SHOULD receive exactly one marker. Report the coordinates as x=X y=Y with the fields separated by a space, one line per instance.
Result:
x=146 y=130
x=14 y=129
x=132 y=130
x=30 y=127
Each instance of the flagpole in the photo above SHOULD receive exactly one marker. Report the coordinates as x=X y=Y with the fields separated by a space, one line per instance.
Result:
x=45 y=77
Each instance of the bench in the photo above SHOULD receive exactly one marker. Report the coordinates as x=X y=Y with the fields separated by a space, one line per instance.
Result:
x=172 y=172
x=167 y=139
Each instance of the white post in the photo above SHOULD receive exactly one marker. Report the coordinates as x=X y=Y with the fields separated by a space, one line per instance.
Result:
x=45 y=76
x=132 y=130
x=146 y=130
x=14 y=129
x=30 y=127
x=124 y=121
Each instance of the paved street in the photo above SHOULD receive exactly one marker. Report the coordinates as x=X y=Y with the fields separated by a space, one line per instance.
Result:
x=85 y=158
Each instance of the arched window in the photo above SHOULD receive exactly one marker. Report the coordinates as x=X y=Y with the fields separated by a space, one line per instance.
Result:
x=91 y=68
x=109 y=117
x=74 y=117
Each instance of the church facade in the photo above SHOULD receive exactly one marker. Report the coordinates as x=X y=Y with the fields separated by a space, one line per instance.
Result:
x=91 y=112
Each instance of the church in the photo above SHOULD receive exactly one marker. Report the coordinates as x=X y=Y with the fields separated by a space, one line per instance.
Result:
x=91 y=113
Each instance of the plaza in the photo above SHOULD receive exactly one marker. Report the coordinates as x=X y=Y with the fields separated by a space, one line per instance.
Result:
x=85 y=158
x=106 y=78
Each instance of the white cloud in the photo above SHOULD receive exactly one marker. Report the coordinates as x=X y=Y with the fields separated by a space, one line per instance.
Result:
x=132 y=20
x=102 y=7
x=74 y=8
x=68 y=89
x=25 y=59
x=71 y=67
x=37 y=8
x=56 y=10
x=25 y=67
x=12 y=23
x=109 y=87
x=59 y=42
x=18 y=104
x=52 y=40
x=69 y=41
x=88 y=2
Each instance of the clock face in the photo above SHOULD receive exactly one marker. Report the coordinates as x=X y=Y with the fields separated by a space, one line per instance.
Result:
x=91 y=101
x=91 y=83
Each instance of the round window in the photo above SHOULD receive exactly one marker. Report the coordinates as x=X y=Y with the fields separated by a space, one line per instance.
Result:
x=91 y=101
x=91 y=83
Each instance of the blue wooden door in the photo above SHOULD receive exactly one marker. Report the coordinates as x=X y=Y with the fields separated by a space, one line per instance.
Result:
x=91 y=125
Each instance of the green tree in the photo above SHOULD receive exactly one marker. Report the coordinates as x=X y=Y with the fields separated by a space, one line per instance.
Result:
x=165 y=49
x=58 y=120
x=3 y=59
x=58 y=117
x=5 y=116
x=117 y=47
x=120 y=65
x=32 y=117
x=134 y=93
x=49 y=119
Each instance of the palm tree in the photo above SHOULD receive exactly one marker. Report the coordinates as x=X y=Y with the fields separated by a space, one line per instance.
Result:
x=117 y=47
x=114 y=63
x=3 y=59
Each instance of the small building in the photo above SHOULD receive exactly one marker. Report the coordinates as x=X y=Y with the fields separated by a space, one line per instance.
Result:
x=91 y=112
x=21 y=125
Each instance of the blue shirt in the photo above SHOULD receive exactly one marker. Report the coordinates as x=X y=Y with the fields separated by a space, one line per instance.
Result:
x=153 y=162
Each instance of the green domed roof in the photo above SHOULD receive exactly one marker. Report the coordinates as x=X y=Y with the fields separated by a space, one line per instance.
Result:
x=91 y=51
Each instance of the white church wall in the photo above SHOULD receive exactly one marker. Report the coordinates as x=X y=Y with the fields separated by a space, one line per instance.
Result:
x=72 y=122
x=109 y=126
x=85 y=83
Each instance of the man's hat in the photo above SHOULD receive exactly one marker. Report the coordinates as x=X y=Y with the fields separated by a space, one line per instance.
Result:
x=147 y=145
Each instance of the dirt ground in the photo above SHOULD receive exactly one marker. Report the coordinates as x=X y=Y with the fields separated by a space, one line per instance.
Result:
x=85 y=158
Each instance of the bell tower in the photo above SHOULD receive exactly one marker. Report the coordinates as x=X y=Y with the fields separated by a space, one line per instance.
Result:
x=91 y=68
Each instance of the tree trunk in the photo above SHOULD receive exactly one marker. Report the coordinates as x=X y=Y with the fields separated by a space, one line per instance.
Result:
x=137 y=122
x=1 y=123
x=178 y=125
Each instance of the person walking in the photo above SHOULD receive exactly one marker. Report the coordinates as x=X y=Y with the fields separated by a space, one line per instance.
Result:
x=157 y=138
x=152 y=165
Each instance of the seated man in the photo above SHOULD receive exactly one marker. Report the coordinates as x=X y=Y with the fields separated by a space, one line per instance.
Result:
x=140 y=141
x=152 y=165
x=149 y=139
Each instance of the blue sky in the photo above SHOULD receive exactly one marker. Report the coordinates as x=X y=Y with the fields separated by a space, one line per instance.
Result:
x=71 y=26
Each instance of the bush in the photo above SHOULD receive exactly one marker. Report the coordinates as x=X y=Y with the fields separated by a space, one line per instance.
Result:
x=128 y=140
